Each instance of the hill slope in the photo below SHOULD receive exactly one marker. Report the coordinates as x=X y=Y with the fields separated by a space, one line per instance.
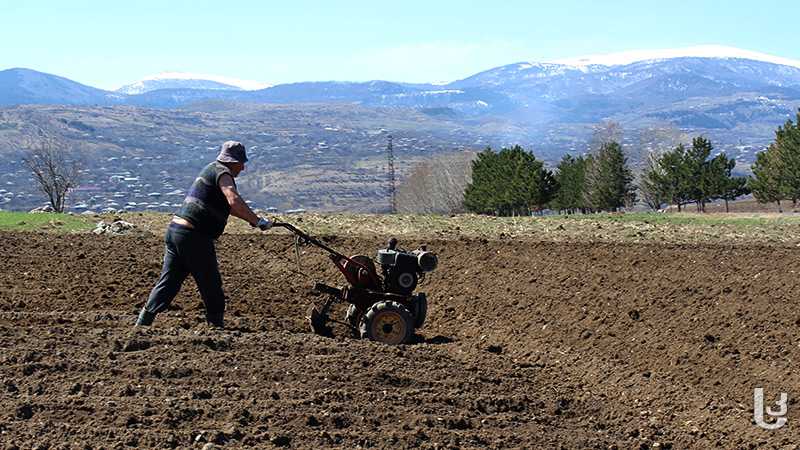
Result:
x=25 y=86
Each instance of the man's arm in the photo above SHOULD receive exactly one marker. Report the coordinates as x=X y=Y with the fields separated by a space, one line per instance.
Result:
x=238 y=206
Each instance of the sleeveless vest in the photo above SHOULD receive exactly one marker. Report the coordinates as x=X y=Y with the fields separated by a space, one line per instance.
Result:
x=205 y=205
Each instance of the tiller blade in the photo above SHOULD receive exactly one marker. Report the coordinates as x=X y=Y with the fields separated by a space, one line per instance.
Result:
x=318 y=318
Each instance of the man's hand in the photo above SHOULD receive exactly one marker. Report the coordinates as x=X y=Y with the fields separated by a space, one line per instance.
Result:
x=263 y=224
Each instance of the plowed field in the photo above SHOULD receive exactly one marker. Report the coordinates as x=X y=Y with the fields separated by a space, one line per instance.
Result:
x=527 y=345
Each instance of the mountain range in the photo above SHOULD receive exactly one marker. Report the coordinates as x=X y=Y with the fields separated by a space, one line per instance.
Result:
x=696 y=88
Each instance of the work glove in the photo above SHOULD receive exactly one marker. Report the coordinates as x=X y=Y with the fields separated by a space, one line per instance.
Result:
x=263 y=224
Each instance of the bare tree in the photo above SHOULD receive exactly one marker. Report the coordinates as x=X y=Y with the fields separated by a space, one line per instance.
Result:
x=658 y=139
x=436 y=186
x=604 y=133
x=649 y=182
x=54 y=172
x=653 y=142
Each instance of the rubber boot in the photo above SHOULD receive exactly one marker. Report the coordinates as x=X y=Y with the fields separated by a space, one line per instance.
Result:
x=216 y=320
x=145 y=318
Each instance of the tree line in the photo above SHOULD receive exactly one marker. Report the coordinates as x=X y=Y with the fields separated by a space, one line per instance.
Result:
x=684 y=176
x=512 y=181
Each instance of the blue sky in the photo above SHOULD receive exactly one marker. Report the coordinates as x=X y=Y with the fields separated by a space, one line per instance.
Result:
x=110 y=43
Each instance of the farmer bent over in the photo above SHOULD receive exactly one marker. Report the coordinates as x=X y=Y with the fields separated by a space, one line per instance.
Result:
x=191 y=234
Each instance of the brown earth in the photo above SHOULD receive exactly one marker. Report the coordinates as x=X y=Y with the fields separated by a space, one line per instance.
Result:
x=528 y=345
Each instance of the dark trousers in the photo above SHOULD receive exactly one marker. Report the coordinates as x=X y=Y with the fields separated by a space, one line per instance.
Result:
x=189 y=252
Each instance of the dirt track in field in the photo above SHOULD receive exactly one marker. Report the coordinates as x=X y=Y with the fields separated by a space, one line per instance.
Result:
x=527 y=345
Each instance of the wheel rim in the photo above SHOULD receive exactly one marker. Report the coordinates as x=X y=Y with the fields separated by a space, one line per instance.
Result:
x=389 y=327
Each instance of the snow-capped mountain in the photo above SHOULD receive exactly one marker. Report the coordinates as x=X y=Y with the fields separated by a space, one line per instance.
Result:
x=699 y=51
x=705 y=86
x=606 y=74
x=182 y=80
x=645 y=83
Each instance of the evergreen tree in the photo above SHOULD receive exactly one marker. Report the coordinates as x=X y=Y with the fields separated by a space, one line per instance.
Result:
x=479 y=194
x=699 y=172
x=548 y=187
x=715 y=179
x=570 y=177
x=767 y=183
x=674 y=180
x=511 y=182
x=609 y=182
x=787 y=148
x=776 y=171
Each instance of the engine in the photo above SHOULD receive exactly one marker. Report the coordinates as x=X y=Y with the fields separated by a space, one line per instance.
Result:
x=403 y=270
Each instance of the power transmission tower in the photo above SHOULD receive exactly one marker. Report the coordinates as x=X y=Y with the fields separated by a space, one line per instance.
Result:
x=392 y=187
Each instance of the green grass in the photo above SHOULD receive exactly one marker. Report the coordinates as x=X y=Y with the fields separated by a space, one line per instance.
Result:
x=22 y=221
x=755 y=219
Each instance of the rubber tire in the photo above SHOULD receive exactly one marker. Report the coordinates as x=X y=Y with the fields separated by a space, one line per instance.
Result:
x=387 y=307
x=420 y=310
x=354 y=319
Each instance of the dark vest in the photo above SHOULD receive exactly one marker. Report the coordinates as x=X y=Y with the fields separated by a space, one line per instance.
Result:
x=205 y=205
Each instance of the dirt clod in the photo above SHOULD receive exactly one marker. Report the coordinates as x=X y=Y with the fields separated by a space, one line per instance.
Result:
x=496 y=349
x=312 y=421
x=281 y=440
x=24 y=412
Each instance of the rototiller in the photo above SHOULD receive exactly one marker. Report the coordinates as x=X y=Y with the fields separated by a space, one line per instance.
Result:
x=382 y=307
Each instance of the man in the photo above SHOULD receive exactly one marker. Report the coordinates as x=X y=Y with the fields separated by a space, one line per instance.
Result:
x=191 y=234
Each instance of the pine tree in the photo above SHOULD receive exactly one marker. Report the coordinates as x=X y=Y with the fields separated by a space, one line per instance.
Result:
x=511 y=182
x=715 y=179
x=570 y=176
x=675 y=182
x=776 y=171
x=787 y=148
x=548 y=187
x=609 y=182
x=480 y=194
x=767 y=183
x=697 y=170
